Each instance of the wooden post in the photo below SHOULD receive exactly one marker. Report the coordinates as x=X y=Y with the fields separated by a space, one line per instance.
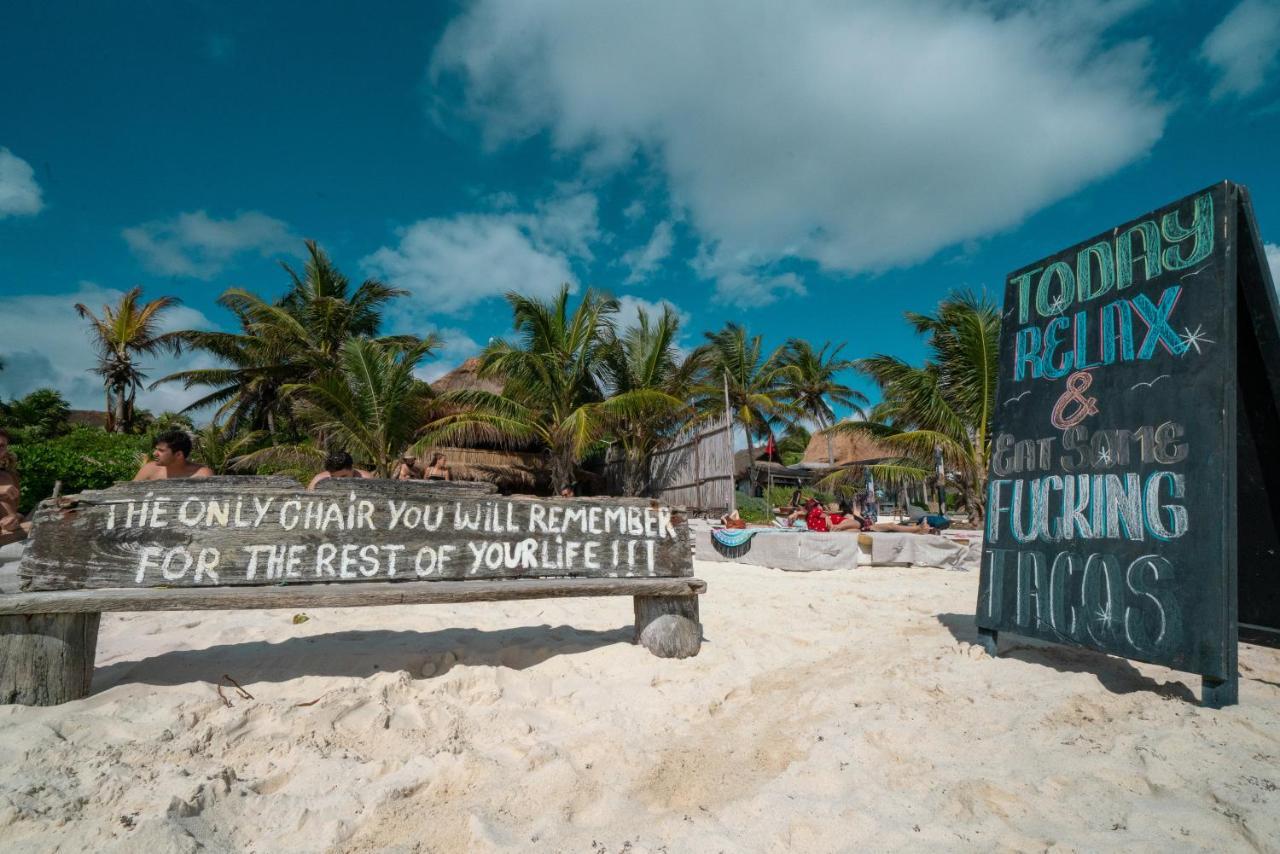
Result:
x=697 y=470
x=668 y=626
x=46 y=659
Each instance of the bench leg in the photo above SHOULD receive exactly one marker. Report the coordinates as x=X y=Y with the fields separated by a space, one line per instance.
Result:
x=668 y=626
x=46 y=659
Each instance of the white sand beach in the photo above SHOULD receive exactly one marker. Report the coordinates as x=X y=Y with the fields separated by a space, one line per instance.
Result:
x=832 y=711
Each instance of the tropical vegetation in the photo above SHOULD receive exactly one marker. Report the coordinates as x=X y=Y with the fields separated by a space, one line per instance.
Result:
x=943 y=407
x=123 y=333
x=315 y=370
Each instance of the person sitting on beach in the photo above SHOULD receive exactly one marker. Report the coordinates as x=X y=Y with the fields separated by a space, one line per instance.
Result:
x=799 y=509
x=11 y=521
x=169 y=452
x=408 y=468
x=439 y=468
x=338 y=464
x=815 y=518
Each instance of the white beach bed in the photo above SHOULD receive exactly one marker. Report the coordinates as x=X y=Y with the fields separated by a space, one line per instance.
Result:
x=807 y=551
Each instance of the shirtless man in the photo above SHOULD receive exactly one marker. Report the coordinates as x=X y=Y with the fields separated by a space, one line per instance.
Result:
x=10 y=491
x=338 y=464
x=408 y=468
x=169 y=454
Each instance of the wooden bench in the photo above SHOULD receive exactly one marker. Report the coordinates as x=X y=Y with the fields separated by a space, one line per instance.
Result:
x=242 y=543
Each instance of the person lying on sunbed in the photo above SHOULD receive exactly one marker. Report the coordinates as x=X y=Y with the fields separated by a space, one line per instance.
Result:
x=843 y=518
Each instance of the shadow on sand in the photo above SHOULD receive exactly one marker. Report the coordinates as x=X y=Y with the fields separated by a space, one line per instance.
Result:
x=360 y=653
x=1117 y=675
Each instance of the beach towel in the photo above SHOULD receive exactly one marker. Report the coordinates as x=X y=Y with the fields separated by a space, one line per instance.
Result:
x=734 y=543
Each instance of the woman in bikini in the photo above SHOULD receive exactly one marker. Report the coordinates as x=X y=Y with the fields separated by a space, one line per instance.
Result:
x=439 y=468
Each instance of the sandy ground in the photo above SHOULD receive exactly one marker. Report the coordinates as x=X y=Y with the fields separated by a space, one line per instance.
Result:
x=834 y=711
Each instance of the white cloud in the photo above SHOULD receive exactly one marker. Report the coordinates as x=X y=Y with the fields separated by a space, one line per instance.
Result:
x=455 y=347
x=1273 y=261
x=199 y=246
x=46 y=344
x=860 y=136
x=629 y=307
x=1243 y=48
x=19 y=192
x=643 y=260
x=742 y=283
x=449 y=265
x=633 y=211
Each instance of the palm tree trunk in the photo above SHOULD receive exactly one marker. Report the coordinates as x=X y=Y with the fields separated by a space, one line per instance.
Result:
x=751 y=463
x=831 y=456
x=120 y=410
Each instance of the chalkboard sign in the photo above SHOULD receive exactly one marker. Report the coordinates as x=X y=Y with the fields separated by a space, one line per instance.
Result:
x=1133 y=494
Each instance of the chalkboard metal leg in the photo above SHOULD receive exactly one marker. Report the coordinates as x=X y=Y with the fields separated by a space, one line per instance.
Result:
x=989 y=639
x=1216 y=693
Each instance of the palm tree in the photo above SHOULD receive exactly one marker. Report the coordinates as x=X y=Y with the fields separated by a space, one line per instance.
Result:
x=650 y=386
x=124 y=332
x=757 y=384
x=223 y=451
x=947 y=403
x=812 y=386
x=554 y=376
x=371 y=403
x=290 y=341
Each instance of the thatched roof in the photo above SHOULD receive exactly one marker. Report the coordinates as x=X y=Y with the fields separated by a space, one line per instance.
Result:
x=511 y=471
x=742 y=462
x=466 y=377
x=88 y=418
x=847 y=449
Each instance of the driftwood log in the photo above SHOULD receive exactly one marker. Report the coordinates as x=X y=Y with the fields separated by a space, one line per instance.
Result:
x=241 y=543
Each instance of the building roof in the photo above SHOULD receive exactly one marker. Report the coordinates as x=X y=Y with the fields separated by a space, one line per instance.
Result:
x=847 y=449
x=466 y=377
x=88 y=418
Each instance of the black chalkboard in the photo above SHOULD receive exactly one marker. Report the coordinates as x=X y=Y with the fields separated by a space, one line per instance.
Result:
x=1133 y=496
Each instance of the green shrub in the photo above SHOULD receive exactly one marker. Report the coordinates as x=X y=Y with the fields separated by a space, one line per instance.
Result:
x=85 y=458
x=752 y=509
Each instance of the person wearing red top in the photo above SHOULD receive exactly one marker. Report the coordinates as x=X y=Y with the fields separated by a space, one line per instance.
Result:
x=816 y=518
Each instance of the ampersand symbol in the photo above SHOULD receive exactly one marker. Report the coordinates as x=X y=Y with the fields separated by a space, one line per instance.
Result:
x=1077 y=384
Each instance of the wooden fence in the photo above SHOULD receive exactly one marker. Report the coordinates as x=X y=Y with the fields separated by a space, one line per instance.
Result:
x=694 y=472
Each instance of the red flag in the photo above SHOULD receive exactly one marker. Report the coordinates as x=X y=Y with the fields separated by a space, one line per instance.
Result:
x=771 y=449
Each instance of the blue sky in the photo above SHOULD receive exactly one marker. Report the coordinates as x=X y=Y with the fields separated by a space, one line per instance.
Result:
x=807 y=169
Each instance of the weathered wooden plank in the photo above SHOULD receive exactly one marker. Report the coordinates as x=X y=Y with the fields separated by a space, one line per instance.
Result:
x=224 y=531
x=47 y=659
x=339 y=595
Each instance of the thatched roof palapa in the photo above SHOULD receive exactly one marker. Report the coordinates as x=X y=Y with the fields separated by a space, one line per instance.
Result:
x=847 y=449
x=466 y=377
